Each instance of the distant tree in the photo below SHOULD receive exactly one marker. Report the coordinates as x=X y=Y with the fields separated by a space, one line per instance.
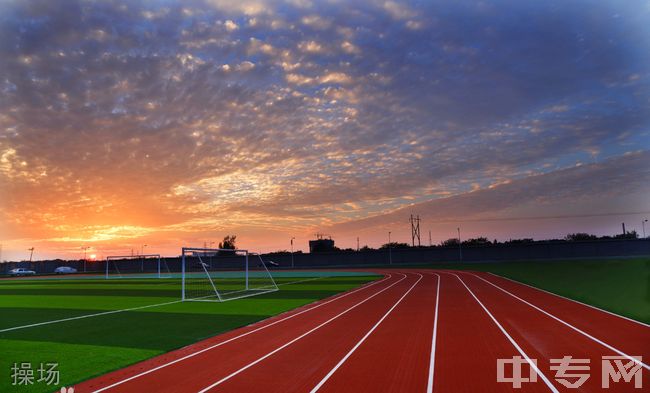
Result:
x=228 y=242
x=627 y=235
x=278 y=252
x=450 y=242
x=366 y=248
x=394 y=245
x=479 y=241
x=519 y=241
x=580 y=236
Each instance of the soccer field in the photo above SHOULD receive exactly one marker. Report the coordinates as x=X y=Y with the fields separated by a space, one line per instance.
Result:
x=97 y=335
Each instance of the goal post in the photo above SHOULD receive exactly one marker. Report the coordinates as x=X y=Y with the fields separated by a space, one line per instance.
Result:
x=136 y=266
x=213 y=274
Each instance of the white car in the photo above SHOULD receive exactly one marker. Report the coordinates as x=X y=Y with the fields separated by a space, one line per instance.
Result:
x=65 y=270
x=21 y=272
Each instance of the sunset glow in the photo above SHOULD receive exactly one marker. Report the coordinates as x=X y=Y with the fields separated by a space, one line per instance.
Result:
x=166 y=124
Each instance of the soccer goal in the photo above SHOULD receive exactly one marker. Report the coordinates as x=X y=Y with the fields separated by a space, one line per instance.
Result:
x=136 y=266
x=212 y=274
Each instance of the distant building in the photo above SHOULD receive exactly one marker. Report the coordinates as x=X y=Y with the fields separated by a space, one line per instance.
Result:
x=321 y=244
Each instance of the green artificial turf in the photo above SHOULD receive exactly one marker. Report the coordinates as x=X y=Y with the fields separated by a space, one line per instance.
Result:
x=87 y=347
x=619 y=285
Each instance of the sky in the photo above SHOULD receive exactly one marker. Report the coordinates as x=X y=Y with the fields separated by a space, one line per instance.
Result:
x=175 y=123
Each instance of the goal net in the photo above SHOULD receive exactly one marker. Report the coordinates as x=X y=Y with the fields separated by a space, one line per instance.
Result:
x=136 y=266
x=211 y=274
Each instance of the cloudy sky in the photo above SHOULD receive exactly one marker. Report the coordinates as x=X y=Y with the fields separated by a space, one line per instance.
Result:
x=172 y=123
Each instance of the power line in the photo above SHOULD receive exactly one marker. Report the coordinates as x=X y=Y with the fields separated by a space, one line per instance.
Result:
x=559 y=216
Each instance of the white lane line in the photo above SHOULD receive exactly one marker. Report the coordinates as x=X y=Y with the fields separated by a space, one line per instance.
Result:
x=432 y=359
x=568 y=324
x=573 y=300
x=512 y=341
x=115 y=311
x=318 y=304
x=87 y=316
x=340 y=363
x=224 y=379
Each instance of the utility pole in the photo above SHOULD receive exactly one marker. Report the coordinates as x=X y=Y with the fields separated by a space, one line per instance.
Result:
x=430 y=242
x=210 y=260
x=142 y=257
x=460 y=247
x=85 y=248
x=642 y=224
x=292 y=264
x=390 y=255
x=31 y=254
x=358 y=243
x=0 y=253
x=624 y=231
x=415 y=229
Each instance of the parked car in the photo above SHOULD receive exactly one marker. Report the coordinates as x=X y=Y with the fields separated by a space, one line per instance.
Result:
x=21 y=272
x=65 y=270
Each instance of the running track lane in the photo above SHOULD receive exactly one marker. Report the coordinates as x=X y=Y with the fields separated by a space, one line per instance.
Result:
x=544 y=338
x=187 y=369
x=469 y=344
x=395 y=356
x=627 y=335
x=300 y=366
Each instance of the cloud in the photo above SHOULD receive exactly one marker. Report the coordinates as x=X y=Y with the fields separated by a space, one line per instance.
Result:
x=574 y=191
x=147 y=115
x=230 y=25
x=311 y=47
x=398 y=10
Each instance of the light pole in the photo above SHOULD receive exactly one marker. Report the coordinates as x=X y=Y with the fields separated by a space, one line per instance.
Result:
x=292 y=265
x=643 y=225
x=142 y=257
x=460 y=247
x=390 y=253
x=85 y=249
x=210 y=258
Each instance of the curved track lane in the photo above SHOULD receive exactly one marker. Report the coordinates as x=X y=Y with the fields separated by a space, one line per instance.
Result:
x=413 y=331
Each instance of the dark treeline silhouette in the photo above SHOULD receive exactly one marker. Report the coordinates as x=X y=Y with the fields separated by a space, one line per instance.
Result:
x=483 y=241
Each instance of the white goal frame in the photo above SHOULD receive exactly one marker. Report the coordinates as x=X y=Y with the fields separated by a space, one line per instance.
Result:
x=132 y=257
x=185 y=251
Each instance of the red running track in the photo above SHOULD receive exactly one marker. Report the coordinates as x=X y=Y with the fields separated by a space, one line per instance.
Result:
x=413 y=331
